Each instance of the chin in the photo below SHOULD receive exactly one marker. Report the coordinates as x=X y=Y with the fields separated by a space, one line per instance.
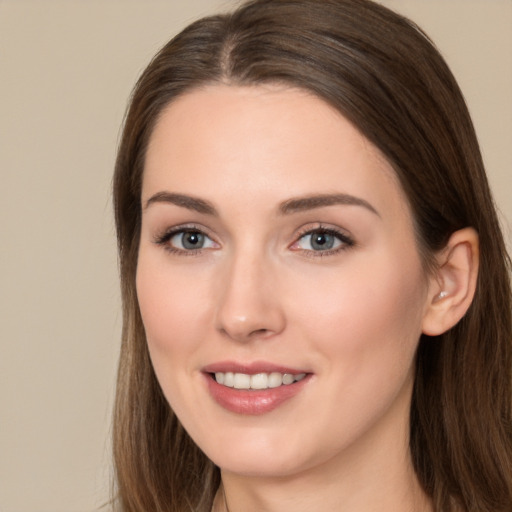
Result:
x=267 y=467
x=258 y=456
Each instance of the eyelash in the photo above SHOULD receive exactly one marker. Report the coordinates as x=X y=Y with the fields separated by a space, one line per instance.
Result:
x=346 y=241
x=164 y=239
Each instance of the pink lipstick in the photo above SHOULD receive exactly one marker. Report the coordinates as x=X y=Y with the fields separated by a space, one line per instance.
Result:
x=255 y=388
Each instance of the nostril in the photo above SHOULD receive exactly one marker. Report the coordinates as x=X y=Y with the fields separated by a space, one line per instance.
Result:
x=259 y=332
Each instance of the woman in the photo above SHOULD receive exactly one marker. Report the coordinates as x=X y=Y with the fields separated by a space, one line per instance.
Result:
x=316 y=290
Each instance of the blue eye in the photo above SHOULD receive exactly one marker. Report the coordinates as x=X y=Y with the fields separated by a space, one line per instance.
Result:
x=190 y=240
x=323 y=240
x=185 y=240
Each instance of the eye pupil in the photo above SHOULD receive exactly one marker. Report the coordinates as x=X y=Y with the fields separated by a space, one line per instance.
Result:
x=322 y=241
x=192 y=240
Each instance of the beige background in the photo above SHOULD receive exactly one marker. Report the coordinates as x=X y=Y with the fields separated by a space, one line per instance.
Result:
x=66 y=70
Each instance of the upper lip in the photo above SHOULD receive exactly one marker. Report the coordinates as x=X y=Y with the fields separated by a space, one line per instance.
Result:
x=250 y=368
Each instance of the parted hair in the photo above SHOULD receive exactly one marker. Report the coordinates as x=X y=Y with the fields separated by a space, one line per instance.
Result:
x=381 y=72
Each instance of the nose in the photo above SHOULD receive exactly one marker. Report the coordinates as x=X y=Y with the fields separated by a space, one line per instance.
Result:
x=250 y=305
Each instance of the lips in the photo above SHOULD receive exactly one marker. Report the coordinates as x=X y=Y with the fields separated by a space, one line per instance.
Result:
x=253 y=389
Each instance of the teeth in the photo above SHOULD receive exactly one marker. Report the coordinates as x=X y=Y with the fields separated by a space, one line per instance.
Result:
x=275 y=380
x=229 y=379
x=242 y=381
x=288 y=378
x=258 y=380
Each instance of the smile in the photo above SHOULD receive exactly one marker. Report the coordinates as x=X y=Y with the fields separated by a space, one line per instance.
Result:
x=258 y=380
x=253 y=388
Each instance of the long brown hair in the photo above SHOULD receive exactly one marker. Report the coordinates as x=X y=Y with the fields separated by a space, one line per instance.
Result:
x=383 y=74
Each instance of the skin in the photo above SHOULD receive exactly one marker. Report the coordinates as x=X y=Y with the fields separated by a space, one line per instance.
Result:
x=351 y=318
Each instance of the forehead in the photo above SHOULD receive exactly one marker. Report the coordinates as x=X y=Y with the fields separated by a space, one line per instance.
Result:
x=272 y=140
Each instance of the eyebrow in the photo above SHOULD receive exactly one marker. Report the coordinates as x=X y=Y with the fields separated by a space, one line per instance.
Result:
x=318 y=201
x=185 y=201
x=290 y=206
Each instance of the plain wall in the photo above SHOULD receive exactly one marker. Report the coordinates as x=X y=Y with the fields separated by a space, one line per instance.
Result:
x=66 y=71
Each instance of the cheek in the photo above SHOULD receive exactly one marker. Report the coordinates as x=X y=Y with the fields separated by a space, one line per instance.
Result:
x=171 y=306
x=369 y=311
x=364 y=329
x=173 y=313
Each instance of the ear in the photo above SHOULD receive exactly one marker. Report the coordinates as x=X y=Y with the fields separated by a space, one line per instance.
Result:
x=453 y=285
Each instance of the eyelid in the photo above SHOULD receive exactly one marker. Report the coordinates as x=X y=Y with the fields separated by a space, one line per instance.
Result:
x=163 y=238
x=347 y=241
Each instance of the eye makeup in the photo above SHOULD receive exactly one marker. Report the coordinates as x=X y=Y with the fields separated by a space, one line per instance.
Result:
x=313 y=241
x=192 y=238
x=323 y=240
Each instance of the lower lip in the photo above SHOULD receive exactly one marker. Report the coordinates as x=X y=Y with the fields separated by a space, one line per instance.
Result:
x=252 y=401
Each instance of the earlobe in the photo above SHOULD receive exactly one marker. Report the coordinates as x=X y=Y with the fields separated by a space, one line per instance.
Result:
x=452 y=288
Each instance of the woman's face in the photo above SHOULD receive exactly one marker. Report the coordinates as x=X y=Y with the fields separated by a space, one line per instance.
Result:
x=277 y=250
